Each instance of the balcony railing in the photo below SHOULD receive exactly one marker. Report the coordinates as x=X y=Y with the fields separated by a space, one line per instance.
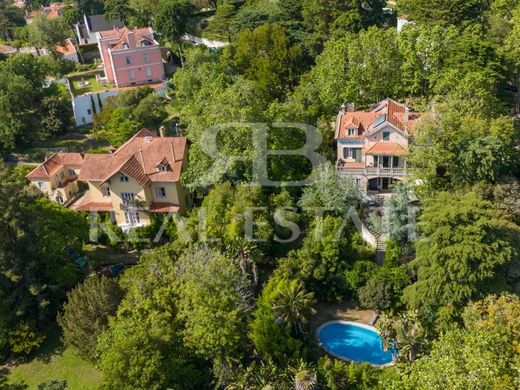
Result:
x=134 y=205
x=373 y=171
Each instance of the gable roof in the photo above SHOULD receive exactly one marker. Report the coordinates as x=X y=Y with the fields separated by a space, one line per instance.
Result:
x=54 y=164
x=386 y=111
x=138 y=158
x=386 y=148
x=67 y=48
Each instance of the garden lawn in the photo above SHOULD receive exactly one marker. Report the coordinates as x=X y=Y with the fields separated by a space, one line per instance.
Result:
x=54 y=362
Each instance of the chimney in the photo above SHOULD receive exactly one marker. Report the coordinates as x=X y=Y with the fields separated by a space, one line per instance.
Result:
x=173 y=152
x=342 y=109
x=351 y=107
x=130 y=37
x=406 y=115
x=162 y=131
x=142 y=160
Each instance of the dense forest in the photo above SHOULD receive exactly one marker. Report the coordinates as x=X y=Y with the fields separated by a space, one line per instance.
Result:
x=216 y=305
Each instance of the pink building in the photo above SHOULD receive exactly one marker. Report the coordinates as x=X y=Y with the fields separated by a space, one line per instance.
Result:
x=130 y=57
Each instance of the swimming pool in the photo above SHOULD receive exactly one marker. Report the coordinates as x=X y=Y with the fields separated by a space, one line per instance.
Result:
x=352 y=341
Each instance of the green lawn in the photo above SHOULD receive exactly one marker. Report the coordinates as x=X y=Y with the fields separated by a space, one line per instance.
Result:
x=90 y=79
x=54 y=362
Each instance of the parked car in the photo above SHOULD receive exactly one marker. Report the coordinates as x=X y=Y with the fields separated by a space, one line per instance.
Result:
x=112 y=270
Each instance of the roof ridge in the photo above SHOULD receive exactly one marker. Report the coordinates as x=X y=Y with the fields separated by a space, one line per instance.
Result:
x=141 y=133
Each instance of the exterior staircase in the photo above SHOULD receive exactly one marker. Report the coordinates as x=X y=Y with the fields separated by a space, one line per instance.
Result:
x=379 y=239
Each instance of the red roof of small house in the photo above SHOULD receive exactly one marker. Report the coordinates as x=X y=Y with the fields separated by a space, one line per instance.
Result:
x=54 y=164
x=6 y=49
x=138 y=158
x=67 y=48
x=386 y=148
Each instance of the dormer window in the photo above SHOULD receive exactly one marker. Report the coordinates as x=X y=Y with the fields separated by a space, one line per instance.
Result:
x=351 y=132
x=386 y=136
x=125 y=45
x=162 y=168
x=144 y=42
x=123 y=178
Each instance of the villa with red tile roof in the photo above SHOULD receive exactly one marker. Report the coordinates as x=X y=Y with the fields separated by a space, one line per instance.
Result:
x=57 y=176
x=139 y=178
x=130 y=57
x=371 y=144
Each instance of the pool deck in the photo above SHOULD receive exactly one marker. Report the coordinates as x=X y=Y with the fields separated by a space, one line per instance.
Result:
x=345 y=311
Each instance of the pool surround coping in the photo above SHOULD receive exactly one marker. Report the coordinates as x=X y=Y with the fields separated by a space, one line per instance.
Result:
x=358 y=324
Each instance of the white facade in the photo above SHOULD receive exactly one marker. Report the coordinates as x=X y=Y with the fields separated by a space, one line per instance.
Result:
x=84 y=105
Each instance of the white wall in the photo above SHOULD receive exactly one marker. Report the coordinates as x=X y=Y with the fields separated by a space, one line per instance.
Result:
x=82 y=104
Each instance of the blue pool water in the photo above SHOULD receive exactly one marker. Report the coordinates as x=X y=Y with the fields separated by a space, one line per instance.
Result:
x=354 y=342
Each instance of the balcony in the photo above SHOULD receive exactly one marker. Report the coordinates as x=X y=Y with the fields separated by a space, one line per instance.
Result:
x=134 y=205
x=372 y=171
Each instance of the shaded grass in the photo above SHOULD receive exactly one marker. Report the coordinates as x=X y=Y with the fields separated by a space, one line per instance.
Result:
x=54 y=361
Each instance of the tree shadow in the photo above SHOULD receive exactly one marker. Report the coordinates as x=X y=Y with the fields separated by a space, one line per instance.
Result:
x=4 y=372
x=52 y=346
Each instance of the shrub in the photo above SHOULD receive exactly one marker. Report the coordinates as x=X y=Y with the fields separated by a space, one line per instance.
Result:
x=86 y=312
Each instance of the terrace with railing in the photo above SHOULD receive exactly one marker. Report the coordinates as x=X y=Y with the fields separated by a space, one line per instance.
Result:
x=371 y=171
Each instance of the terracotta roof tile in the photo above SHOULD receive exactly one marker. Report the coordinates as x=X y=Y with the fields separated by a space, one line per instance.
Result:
x=86 y=204
x=67 y=48
x=363 y=121
x=386 y=148
x=164 y=208
x=138 y=158
x=54 y=163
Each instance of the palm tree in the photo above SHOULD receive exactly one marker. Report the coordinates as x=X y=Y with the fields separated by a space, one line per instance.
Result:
x=294 y=305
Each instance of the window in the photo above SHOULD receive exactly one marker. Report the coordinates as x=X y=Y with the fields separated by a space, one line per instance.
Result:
x=62 y=175
x=160 y=191
x=72 y=172
x=89 y=111
x=129 y=60
x=127 y=197
x=132 y=217
x=354 y=153
x=148 y=71
x=396 y=162
x=386 y=136
x=146 y=58
x=105 y=191
x=41 y=184
x=357 y=182
x=125 y=45
x=145 y=43
x=59 y=199
x=123 y=178
x=162 y=168
x=352 y=132
x=131 y=74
